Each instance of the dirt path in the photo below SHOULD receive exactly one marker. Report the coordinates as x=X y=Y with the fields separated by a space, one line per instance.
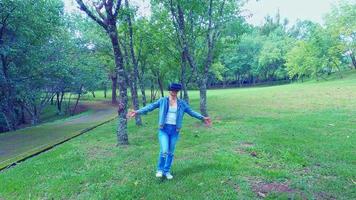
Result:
x=18 y=145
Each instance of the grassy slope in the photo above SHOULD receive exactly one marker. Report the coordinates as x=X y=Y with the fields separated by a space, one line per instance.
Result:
x=22 y=143
x=303 y=136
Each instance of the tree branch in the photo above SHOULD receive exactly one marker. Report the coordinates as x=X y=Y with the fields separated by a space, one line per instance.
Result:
x=108 y=7
x=84 y=8
x=118 y=5
x=98 y=7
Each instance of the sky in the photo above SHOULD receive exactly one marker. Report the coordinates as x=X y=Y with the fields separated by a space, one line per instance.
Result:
x=313 y=10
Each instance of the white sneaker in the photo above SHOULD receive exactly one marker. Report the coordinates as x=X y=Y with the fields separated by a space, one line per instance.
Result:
x=159 y=174
x=168 y=176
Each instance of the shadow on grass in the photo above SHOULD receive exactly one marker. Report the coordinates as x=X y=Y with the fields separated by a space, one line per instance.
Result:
x=193 y=169
x=185 y=172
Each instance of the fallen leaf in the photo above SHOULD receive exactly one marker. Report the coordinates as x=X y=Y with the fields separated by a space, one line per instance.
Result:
x=354 y=182
x=261 y=194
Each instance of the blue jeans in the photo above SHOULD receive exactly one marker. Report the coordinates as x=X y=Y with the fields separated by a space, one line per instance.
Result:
x=168 y=137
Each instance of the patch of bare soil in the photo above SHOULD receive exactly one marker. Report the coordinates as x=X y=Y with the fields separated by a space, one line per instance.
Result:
x=324 y=196
x=262 y=189
x=233 y=184
x=243 y=146
x=247 y=144
x=308 y=169
x=96 y=152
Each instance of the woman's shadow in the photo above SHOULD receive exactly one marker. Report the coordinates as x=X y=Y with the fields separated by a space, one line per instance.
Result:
x=184 y=172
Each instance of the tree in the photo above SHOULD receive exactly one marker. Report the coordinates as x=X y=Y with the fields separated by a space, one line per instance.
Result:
x=158 y=55
x=316 y=55
x=95 y=37
x=272 y=56
x=241 y=59
x=299 y=60
x=198 y=26
x=25 y=27
x=340 y=24
x=134 y=74
x=108 y=21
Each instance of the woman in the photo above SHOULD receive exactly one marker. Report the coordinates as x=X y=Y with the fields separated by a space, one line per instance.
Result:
x=171 y=111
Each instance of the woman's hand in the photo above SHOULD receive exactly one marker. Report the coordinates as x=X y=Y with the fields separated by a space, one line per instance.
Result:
x=131 y=114
x=207 y=121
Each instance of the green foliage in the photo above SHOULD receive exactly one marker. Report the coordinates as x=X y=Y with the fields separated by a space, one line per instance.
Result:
x=28 y=29
x=316 y=55
x=341 y=26
x=241 y=60
x=259 y=54
x=218 y=69
x=159 y=52
x=40 y=57
x=272 y=56
x=297 y=60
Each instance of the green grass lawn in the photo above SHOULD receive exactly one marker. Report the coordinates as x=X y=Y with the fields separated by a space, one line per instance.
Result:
x=292 y=141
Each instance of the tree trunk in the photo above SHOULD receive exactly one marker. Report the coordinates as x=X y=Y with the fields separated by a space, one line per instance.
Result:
x=23 y=120
x=133 y=88
x=9 y=119
x=59 y=102
x=152 y=91
x=77 y=101
x=202 y=90
x=8 y=108
x=108 y=22
x=183 y=78
x=353 y=59
x=179 y=24
x=135 y=73
x=122 y=137
x=185 y=93
x=224 y=80
x=113 y=88
x=143 y=93
x=155 y=94
x=34 y=115
x=208 y=62
x=105 y=90
x=9 y=127
x=135 y=103
x=142 y=86
x=160 y=84
x=68 y=103
x=142 y=83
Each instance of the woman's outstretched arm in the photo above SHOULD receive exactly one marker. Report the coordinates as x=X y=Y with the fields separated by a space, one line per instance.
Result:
x=145 y=109
x=197 y=115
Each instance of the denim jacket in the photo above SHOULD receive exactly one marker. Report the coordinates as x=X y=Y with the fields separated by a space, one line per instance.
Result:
x=163 y=104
